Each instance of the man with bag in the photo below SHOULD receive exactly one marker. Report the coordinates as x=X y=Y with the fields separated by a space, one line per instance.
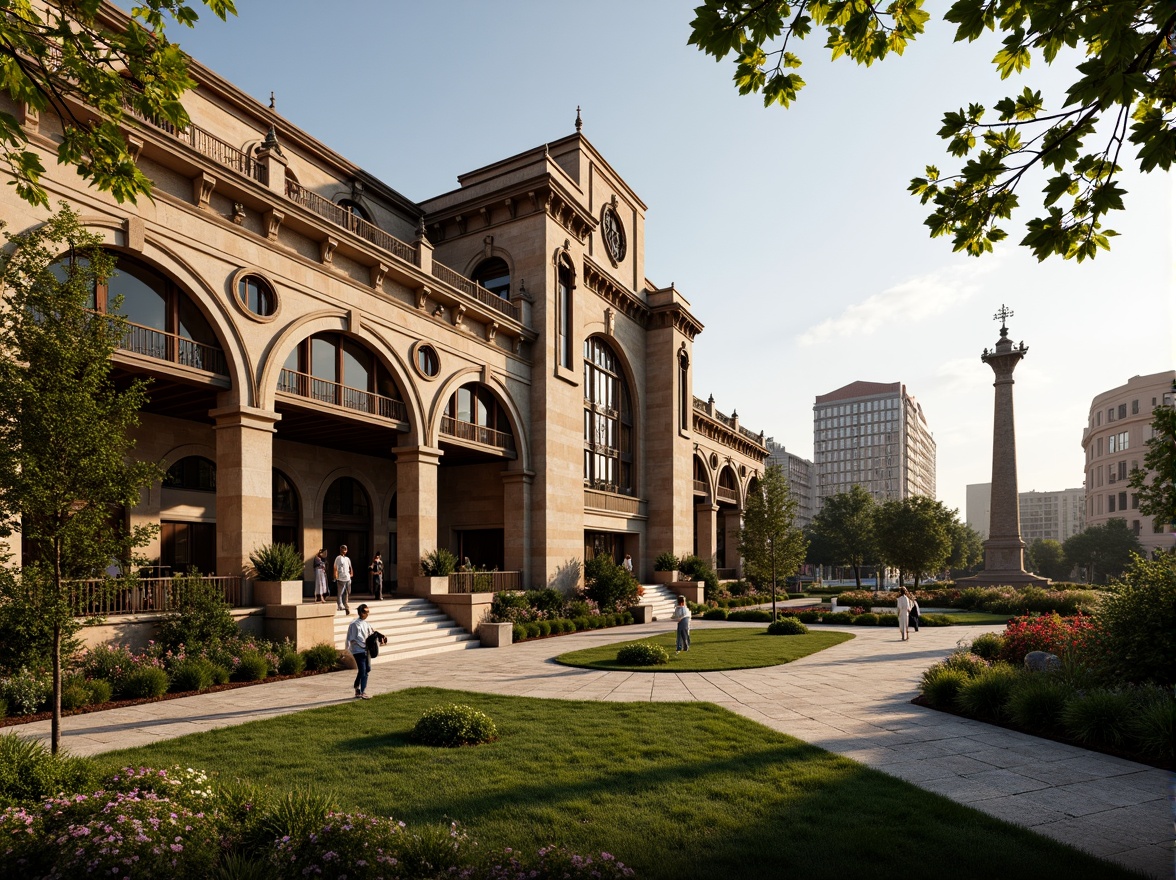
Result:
x=363 y=643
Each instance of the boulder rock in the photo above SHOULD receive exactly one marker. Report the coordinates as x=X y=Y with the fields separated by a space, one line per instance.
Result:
x=1042 y=661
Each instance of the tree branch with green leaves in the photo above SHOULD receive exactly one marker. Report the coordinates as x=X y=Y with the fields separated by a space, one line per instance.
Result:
x=1124 y=95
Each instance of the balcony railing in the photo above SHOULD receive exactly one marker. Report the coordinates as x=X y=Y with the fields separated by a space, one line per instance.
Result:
x=313 y=388
x=725 y=494
x=341 y=216
x=612 y=502
x=477 y=291
x=700 y=487
x=211 y=147
x=477 y=433
x=173 y=348
x=103 y=597
x=484 y=581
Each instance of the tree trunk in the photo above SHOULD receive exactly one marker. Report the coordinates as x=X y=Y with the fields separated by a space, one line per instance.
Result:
x=55 y=724
x=773 y=587
x=857 y=574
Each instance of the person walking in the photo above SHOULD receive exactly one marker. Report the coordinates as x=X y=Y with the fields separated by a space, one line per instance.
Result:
x=682 y=615
x=627 y=565
x=377 y=570
x=914 y=613
x=343 y=572
x=903 y=605
x=320 y=575
x=359 y=634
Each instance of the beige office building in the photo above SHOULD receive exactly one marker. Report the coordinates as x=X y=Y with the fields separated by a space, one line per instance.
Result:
x=1114 y=441
x=801 y=475
x=875 y=435
x=1053 y=516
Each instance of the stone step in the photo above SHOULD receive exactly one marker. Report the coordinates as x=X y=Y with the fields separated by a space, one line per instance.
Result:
x=414 y=627
x=661 y=599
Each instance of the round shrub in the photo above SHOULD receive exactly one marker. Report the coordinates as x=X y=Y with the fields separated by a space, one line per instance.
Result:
x=867 y=619
x=534 y=630
x=941 y=684
x=74 y=695
x=220 y=674
x=145 y=682
x=253 y=667
x=787 y=626
x=643 y=654
x=984 y=696
x=321 y=656
x=839 y=617
x=544 y=627
x=581 y=623
x=454 y=725
x=665 y=562
x=192 y=675
x=1036 y=702
x=1098 y=717
x=625 y=618
x=26 y=690
x=291 y=663
x=988 y=646
x=809 y=617
x=519 y=632
x=715 y=614
x=100 y=691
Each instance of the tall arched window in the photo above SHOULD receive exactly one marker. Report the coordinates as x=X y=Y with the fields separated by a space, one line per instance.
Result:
x=566 y=284
x=286 y=527
x=608 y=421
x=494 y=275
x=336 y=369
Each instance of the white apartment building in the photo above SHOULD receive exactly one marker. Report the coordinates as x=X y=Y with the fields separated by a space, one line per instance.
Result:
x=875 y=435
x=801 y=474
x=1054 y=516
x=1114 y=441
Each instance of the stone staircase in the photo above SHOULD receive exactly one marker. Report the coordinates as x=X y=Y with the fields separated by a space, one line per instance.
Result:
x=662 y=600
x=414 y=627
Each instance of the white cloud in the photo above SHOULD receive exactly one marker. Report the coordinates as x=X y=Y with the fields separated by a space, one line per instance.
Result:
x=909 y=302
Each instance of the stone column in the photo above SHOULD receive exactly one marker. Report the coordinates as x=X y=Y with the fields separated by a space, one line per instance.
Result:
x=416 y=510
x=244 y=482
x=516 y=519
x=705 y=520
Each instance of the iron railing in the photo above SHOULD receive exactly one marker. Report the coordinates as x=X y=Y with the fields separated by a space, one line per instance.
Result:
x=477 y=433
x=474 y=289
x=313 y=388
x=173 y=348
x=210 y=146
x=484 y=581
x=341 y=216
x=102 y=597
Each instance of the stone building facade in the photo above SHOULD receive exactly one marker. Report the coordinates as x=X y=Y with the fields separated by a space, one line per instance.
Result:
x=1117 y=429
x=332 y=363
x=802 y=481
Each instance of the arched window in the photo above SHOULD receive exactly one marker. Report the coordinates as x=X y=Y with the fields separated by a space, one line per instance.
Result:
x=566 y=284
x=286 y=525
x=474 y=413
x=608 y=421
x=256 y=295
x=494 y=275
x=354 y=210
x=701 y=479
x=336 y=369
x=194 y=473
x=728 y=486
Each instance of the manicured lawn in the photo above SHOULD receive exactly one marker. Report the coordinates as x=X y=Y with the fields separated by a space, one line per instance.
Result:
x=678 y=791
x=712 y=650
x=967 y=618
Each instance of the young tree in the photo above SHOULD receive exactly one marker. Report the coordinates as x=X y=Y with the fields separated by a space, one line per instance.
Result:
x=1128 y=77
x=770 y=543
x=1158 y=497
x=844 y=530
x=75 y=50
x=967 y=547
x=1047 y=558
x=914 y=535
x=1104 y=550
x=64 y=426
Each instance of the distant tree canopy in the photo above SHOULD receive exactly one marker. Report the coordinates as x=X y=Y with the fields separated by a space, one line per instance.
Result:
x=1123 y=96
x=915 y=535
x=1102 y=551
x=842 y=533
x=1047 y=558
x=77 y=50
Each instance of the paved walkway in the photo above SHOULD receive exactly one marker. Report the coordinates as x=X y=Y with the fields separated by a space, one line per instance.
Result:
x=853 y=699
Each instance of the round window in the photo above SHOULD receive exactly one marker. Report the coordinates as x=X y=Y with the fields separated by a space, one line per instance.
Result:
x=255 y=295
x=614 y=233
x=427 y=361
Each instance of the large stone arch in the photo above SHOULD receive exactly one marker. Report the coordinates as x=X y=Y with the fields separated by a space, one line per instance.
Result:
x=471 y=373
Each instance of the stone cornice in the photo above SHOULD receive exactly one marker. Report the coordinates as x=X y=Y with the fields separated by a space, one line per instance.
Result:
x=720 y=433
x=539 y=193
x=603 y=285
x=676 y=313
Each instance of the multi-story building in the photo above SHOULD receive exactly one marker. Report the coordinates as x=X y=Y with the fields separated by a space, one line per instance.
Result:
x=875 y=435
x=1049 y=515
x=332 y=363
x=1118 y=427
x=801 y=480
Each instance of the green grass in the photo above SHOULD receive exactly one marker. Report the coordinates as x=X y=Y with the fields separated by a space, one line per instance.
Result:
x=712 y=650
x=678 y=791
x=965 y=618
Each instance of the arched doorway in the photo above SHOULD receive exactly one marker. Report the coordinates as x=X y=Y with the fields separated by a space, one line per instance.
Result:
x=347 y=519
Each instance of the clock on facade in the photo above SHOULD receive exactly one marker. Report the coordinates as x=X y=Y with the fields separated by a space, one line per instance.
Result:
x=613 y=232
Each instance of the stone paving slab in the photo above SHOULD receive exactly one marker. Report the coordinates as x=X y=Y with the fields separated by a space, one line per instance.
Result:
x=853 y=699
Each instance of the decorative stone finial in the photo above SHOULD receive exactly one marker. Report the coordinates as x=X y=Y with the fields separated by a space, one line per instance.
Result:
x=420 y=230
x=271 y=142
x=579 y=121
x=272 y=106
x=1003 y=316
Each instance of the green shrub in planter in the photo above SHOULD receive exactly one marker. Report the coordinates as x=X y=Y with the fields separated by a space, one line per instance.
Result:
x=715 y=614
x=145 y=682
x=867 y=619
x=665 y=562
x=988 y=646
x=518 y=633
x=985 y=695
x=643 y=654
x=941 y=684
x=1154 y=726
x=29 y=771
x=1036 y=702
x=194 y=674
x=754 y=615
x=454 y=725
x=100 y=691
x=277 y=562
x=787 y=626
x=1099 y=717
x=291 y=663
x=321 y=656
x=438 y=563
x=253 y=667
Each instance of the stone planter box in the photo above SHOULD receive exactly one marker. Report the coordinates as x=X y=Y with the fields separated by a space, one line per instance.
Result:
x=277 y=592
x=496 y=635
x=430 y=586
x=694 y=591
x=305 y=625
x=641 y=613
x=467 y=610
x=665 y=577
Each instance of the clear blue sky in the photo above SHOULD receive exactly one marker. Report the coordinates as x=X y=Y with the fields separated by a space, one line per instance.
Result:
x=790 y=231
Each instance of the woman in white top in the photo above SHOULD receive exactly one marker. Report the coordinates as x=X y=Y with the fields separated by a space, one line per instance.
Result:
x=904 y=612
x=682 y=615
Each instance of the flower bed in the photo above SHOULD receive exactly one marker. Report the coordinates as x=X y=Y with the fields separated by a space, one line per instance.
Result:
x=996 y=600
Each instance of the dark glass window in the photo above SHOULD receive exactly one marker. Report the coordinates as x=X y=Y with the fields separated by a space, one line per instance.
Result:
x=608 y=421
x=194 y=472
x=564 y=318
x=256 y=295
x=476 y=405
x=494 y=275
x=346 y=498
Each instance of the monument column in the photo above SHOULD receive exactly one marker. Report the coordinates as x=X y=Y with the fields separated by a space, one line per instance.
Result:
x=1004 y=551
